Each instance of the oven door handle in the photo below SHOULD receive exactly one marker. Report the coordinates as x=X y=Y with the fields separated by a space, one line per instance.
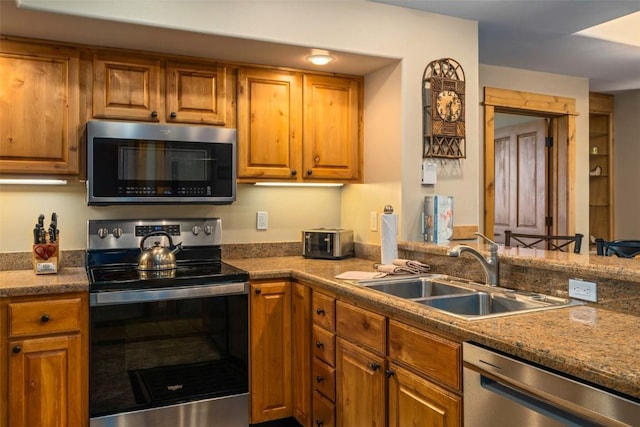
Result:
x=165 y=294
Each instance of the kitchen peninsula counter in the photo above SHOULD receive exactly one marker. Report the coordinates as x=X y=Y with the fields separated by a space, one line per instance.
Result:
x=594 y=344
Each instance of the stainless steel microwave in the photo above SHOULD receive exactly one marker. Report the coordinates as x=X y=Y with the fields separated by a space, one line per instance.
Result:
x=143 y=163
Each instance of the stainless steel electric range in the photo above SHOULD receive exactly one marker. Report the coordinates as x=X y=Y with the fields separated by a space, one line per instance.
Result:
x=169 y=325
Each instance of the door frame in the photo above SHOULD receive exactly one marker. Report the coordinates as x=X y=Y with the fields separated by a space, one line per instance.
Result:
x=562 y=113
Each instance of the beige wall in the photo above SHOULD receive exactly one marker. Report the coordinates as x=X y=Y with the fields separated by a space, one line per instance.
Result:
x=626 y=132
x=560 y=85
x=393 y=123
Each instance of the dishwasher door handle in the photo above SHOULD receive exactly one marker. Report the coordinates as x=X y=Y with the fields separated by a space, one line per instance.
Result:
x=534 y=403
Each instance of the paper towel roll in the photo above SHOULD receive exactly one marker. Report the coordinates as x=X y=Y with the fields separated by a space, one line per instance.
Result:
x=389 y=238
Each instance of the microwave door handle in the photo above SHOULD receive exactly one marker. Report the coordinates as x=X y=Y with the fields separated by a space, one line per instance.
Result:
x=327 y=239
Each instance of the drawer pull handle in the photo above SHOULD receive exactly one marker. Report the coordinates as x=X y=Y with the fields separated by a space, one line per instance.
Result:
x=17 y=349
x=374 y=366
x=319 y=378
x=389 y=373
x=154 y=114
x=173 y=115
x=320 y=311
x=319 y=344
x=258 y=291
x=44 y=318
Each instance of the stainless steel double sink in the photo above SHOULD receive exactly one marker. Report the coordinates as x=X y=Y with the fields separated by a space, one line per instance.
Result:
x=465 y=299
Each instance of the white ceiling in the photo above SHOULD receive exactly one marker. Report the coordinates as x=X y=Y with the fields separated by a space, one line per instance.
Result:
x=538 y=35
x=534 y=35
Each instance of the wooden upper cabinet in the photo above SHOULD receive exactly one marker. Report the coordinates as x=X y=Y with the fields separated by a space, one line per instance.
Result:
x=294 y=127
x=39 y=105
x=197 y=93
x=269 y=124
x=131 y=87
x=126 y=86
x=332 y=114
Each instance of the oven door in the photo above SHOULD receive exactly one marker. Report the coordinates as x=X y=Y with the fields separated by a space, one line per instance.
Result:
x=170 y=357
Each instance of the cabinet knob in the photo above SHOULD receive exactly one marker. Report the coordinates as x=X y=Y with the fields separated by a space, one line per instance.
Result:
x=319 y=378
x=319 y=423
x=389 y=373
x=294 y=172
x=374 y=366
x=17 y=349
x=44 y=318
x=173 y=115
x=258 y=291
x=309 y=172
x=154 y=114
x=320 y=311
x=319 y=344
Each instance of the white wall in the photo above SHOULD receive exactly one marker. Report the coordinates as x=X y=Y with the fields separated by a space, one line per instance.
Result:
x=393 y=123
x=626 y=131
x=560 y=85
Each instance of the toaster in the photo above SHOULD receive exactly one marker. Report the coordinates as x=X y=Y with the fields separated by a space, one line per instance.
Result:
x=327 y=243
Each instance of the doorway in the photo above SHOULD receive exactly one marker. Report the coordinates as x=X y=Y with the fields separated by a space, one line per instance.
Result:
x=560 y=162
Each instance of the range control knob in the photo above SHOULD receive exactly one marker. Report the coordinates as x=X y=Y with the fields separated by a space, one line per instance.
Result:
x=117 y=232
x=196 y=230
x=103 y=232
x=208 y=229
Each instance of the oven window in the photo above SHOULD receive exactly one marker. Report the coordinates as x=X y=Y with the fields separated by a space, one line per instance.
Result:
x=164 y=352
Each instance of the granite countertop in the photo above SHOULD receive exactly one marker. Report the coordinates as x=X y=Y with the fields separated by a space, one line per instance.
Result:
x=597 y=345
x=26 y=282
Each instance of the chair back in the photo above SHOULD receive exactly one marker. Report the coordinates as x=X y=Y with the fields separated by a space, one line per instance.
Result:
x=552 y=243
x=620 y=248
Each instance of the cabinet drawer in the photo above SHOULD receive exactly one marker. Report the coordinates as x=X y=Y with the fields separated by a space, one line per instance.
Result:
x=324 y=345
x=41 y=317
x=361 y=326
x=324 y=310
x=324 y=412
x=431 y=355
x=324 y=379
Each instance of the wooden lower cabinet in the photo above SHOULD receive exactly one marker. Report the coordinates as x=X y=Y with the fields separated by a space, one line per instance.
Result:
x=46 y=354
x=270 y=350
x=324 y=411
x=301 y=360
x=360 y=386
x=415 y=401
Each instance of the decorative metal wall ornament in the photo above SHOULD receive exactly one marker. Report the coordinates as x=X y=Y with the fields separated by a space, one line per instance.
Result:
x=443 y=100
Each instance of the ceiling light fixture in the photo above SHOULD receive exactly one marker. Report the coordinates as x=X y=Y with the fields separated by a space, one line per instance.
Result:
x=320 y=57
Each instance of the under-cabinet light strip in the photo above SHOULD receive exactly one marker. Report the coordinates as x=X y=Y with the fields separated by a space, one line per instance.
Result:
x=302 y=184
x=33 y=181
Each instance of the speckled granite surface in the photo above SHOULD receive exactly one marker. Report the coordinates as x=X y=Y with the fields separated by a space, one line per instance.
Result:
x=26 y=282
x=597 y=345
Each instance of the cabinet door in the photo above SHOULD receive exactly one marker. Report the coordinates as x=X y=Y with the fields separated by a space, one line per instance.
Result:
x=45 y=382
x=360 y=386
x=39 y=106
x=269 y=124
x=126 y=87
x=301 y=321
x=196 y=93
x=270 y=360
x=332 y=147
x=415 y=401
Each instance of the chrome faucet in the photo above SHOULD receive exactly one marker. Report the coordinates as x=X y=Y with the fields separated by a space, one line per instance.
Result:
x=490 y=265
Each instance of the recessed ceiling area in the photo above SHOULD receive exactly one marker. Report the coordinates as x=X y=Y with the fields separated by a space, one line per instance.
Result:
x=541 y=36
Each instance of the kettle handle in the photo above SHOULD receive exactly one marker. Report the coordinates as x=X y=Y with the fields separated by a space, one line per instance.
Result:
x=156 y=233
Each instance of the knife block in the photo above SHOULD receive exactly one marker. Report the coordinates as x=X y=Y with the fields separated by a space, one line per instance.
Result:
x=46 y=258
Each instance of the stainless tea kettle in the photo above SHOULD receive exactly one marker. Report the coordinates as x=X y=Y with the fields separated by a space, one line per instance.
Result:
x=158 y=257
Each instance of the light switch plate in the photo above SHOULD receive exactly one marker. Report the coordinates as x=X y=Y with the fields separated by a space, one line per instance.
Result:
x=581 y=289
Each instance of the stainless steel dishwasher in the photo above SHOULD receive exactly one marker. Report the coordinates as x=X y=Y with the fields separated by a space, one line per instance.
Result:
x=500 y=391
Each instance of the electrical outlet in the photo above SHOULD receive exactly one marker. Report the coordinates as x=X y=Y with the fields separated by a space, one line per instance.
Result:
x=262 y=220
x=581 y=289
x=373 y=221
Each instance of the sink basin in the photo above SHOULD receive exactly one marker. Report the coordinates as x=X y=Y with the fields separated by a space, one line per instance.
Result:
x=414 y=287
x=464 y=299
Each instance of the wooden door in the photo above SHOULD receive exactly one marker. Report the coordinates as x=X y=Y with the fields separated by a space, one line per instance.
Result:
x=360 y=386
x=270 y=358
x=520 y=179
x=197 y=93
x=39 y=109
x=45 y=379
x=332 y=146
x=415 y=401
x=301 y=336
x=126 y=87
x=269 y=124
